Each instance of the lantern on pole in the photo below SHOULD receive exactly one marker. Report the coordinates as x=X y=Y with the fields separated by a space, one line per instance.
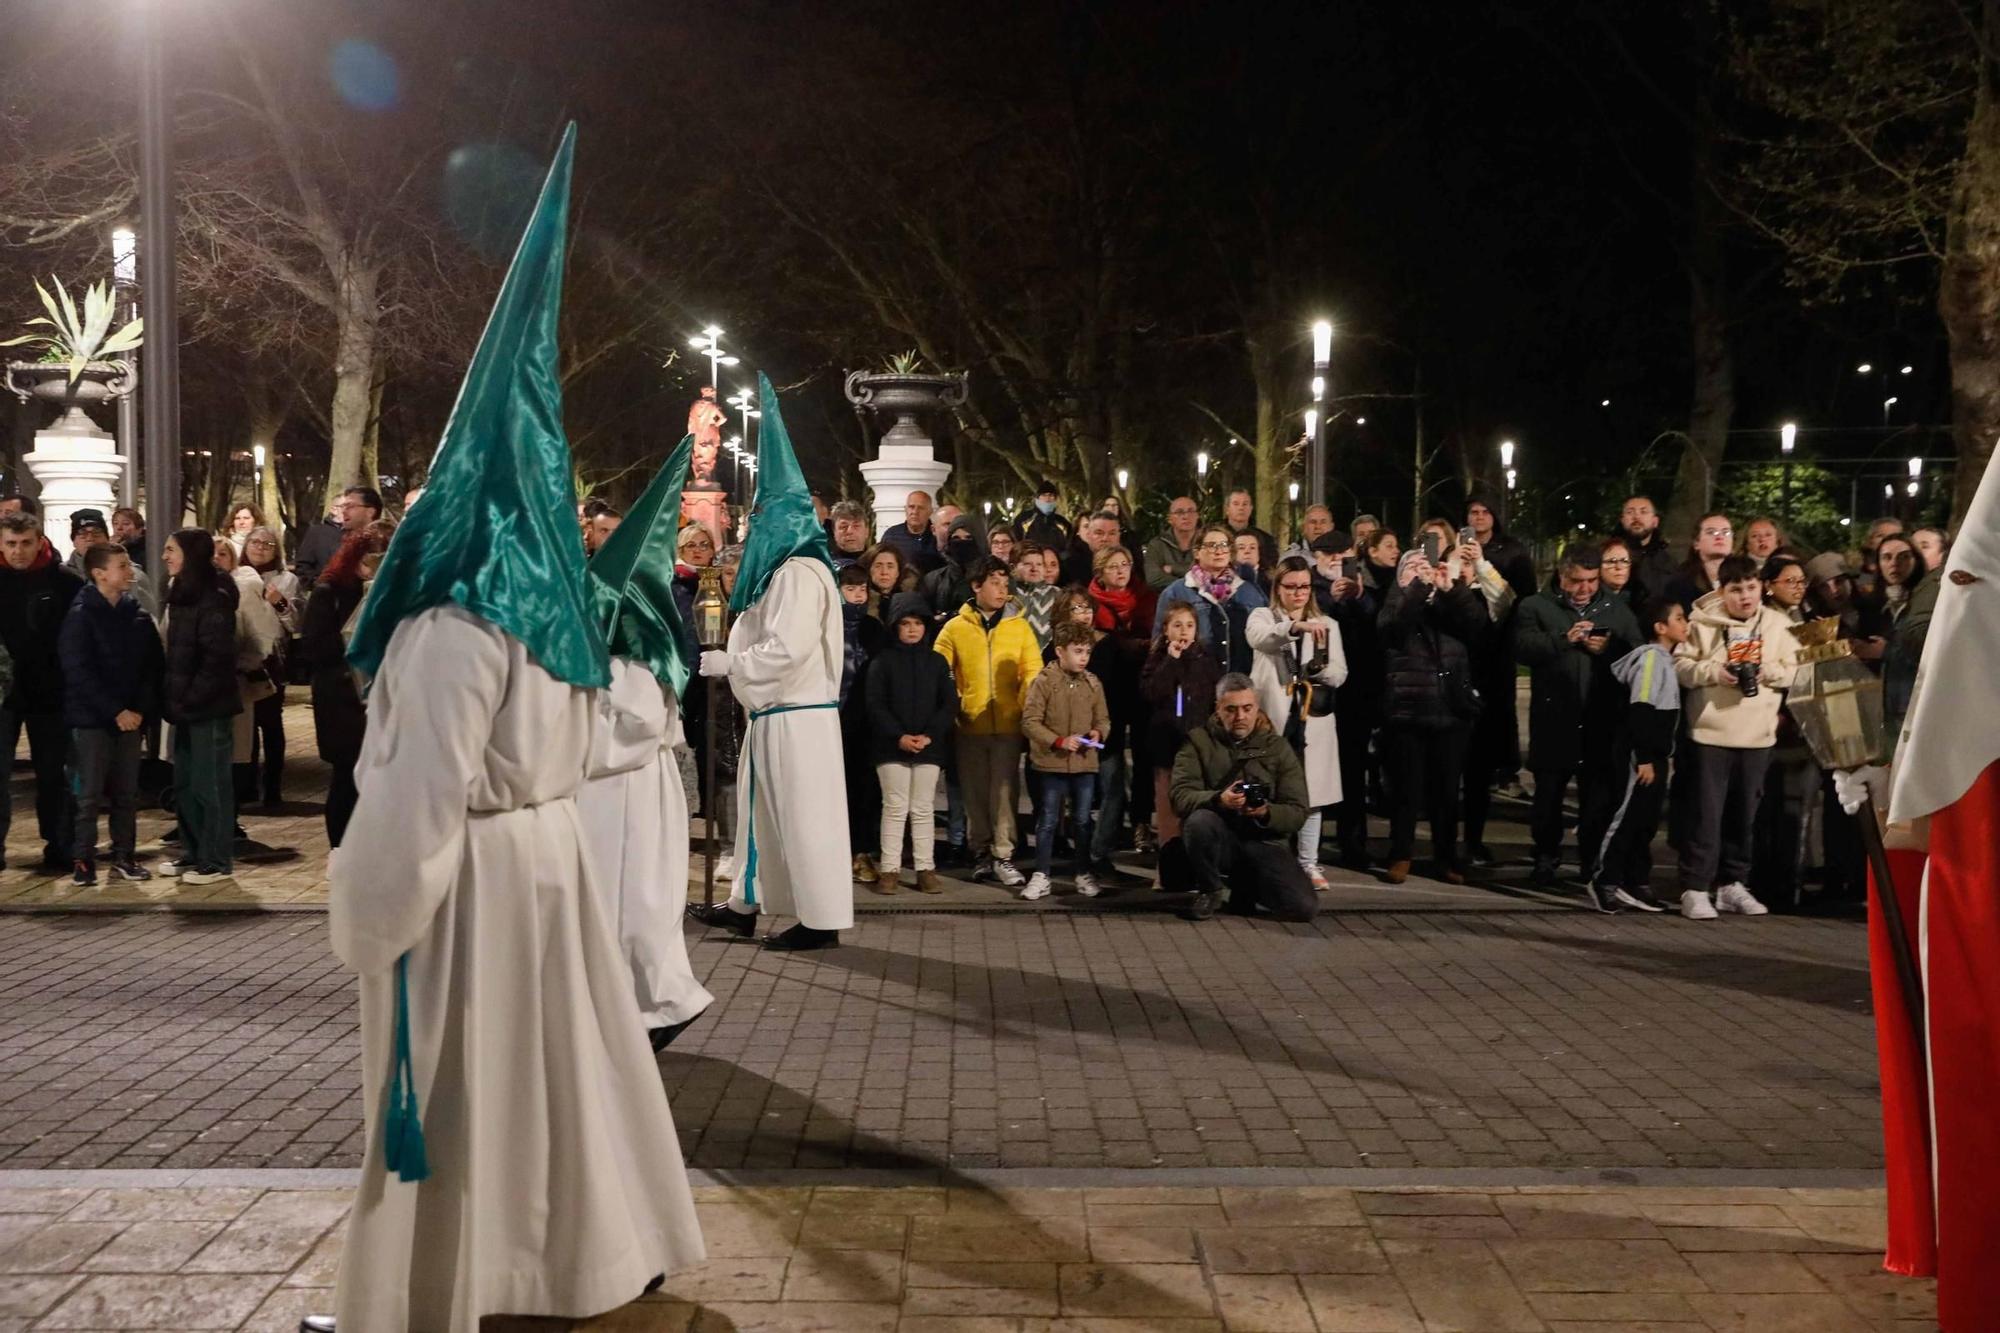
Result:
x=711 y=630
x=1837 y=703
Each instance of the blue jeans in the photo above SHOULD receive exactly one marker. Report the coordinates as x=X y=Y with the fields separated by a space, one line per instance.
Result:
x=1080 y=788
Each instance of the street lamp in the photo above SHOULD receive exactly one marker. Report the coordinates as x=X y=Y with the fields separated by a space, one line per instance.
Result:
x=1788 y=436
x=1906 y=370
x=1888 y=403
x=1322 y=332
x=746 y=407
x=125 y=287
x=1201 y=463
x=1864 y=368
x=1361 y=421
x=709 y=344
x=1507 y=462
x=1124 y=478
x=157 y=232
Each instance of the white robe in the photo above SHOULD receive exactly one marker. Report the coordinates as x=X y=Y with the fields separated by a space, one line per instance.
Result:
x=1270 y=635
x=556 y=1182
x=635 y=820
x=786 y=650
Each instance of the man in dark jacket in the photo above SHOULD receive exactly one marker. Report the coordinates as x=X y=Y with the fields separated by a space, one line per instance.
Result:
x=1043 y=525
x=112 y=668
x=1241 y=794
x=913 y=537
x=1568 y=636
x=946 y=588
x=357 y=507
x=1654 y=565
x=1350 y=602
x=35 y=593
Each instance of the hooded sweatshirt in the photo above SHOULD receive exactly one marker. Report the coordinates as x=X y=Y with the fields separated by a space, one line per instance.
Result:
x=1719 y=713
x=1653 y=704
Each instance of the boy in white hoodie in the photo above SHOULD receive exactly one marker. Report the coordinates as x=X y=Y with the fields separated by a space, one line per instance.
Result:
x=1739 y=656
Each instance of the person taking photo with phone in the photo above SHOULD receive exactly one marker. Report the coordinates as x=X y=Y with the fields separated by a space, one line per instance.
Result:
x=1568 y=636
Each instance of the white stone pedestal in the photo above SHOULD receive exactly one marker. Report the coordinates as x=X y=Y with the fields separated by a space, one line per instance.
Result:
x=897 y=470
x=77 y=470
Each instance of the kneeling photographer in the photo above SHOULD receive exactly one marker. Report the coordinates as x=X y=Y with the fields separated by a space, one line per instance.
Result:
x=1241 y=796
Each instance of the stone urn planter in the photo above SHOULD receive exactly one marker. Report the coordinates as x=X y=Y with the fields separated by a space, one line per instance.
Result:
x=905 y=460
x=76 y=464
x=101 y=382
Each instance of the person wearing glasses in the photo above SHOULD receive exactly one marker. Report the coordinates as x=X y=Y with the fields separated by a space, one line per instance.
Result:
x=1714 y=537
x=1171 y=554
x=1300 y=665
x=1614 y=573
x=1222 y=598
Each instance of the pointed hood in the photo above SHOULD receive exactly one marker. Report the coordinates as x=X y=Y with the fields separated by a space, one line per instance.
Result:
x=496 y=532
x=632 y=578
x=782 y=521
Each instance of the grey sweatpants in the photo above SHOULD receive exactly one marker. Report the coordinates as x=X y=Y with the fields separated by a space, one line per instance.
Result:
x=1725 y=786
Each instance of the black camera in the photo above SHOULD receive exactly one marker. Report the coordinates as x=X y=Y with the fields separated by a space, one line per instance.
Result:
x=1746 y=677
x=1254 y=793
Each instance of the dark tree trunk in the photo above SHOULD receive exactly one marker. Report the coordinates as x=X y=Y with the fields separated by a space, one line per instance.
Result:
x=1714 y=399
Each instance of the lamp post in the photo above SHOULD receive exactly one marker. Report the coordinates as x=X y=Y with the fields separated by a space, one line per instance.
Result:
x=709 y=344
x=1788 y=436
x=157 y=230
x=711 y=630
x=1507 y=463
x=125 y=288
x=1916 y=482
x=1322 y=332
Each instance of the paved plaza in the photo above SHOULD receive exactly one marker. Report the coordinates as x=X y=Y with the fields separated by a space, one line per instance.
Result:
x=1432 y=1108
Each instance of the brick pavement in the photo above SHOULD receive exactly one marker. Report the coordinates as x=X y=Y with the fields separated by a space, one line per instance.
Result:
x=1367 y=1039
x=972 y=1257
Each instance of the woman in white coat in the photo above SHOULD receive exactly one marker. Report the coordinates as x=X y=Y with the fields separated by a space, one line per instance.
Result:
x=1298 y=664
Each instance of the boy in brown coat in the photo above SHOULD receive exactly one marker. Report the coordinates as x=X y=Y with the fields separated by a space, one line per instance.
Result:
x=1065 y=718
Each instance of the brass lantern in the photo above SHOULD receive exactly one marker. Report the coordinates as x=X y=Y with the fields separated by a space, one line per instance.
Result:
x=1837 y=700
x=711 y=610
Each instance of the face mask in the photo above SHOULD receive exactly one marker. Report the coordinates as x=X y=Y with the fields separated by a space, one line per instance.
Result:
x=961 y=549
x=1046 y=506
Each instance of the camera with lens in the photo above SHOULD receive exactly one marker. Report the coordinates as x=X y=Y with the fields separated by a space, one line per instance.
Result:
x=1254 y=793
x=1746 y=677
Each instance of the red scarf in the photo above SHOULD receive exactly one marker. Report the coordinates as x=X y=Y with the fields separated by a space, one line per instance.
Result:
x=1117 y=609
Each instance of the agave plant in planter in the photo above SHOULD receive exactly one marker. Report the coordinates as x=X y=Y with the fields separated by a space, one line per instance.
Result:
x=79 y=360
x=906 y=387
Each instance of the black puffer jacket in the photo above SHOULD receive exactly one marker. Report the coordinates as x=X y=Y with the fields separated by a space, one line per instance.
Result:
x=111 y=659
x=1423 y=636
x=910 y=692
x=1179 y=694
x=201 y=652
x=33 y=603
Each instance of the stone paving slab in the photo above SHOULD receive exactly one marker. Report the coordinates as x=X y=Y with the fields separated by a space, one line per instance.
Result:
x=965 y=1257
x=1366 y=1040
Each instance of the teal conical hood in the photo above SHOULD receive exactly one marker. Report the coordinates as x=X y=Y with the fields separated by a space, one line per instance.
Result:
x=632 y=578
x=782 y=521
x=496 y=530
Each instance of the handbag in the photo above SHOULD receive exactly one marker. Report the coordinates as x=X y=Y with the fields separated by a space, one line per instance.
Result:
x=1461 y=697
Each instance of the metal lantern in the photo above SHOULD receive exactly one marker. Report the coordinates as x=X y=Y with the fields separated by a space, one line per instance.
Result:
x=1836 y=700
x=711 y=611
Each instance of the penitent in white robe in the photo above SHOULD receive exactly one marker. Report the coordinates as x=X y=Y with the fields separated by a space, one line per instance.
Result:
x=556 y=1184
x=635 y=820
x=785 y=651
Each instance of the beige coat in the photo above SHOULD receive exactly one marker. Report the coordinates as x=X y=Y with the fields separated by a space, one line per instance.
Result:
x=1060 y=704
x=1718 y=712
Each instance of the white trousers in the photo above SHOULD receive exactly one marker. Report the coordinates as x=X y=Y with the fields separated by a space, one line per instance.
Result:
x=909 y=794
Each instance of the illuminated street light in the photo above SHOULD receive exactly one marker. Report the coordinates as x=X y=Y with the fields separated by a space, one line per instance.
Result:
x=1864 y=368
x=1888 y=403
x=1201 y=463
x=1124 y=478
x=1906 y=370
x=1788 y=435
x=1293 y=491
x=1605 y=403
x=1510 y=479
x=1506 y=453
x=986 y=507
x=1916 y=468
x=1319 y=387
x=1361 y=421
x=1322 y=331
x=1312 y=422
x=709 y=344
x=1009 y=502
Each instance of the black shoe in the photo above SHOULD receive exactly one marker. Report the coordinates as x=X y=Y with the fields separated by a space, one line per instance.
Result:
x=85 y=875
x=1200 y=907
x=724 y=917
x=1639 y=898
x=982 y=869
x=1481 y=855
x=802 y=937
x=1109 y=875
x=172 y=835
x=1544 y=874
x=131 y=870
x=1602 y=897
x=663 y=1037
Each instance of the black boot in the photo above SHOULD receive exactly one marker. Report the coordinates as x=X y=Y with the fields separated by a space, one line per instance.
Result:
x=724 y=917
x=663 y=1037
x=802 y=937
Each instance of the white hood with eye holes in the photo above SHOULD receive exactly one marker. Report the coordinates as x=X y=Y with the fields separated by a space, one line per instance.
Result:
x=1952 y=731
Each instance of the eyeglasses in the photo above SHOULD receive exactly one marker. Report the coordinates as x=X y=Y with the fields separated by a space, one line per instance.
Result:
x=1296 y=586
x=1716 y=532
x=1216 y=546
x=1616 y=560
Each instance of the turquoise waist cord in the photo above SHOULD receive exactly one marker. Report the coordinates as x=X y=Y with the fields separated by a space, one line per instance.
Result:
x=402 y=1123
x=750 y=857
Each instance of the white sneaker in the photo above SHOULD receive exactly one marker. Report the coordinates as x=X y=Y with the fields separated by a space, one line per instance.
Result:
x=199 y=877
x=1007 y=873
x=1318 y=878
x=1737 y=898
x=1086 y=884
x=725 y=868
x=1038 y=887
x=1695 y=906
x=173 y=869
